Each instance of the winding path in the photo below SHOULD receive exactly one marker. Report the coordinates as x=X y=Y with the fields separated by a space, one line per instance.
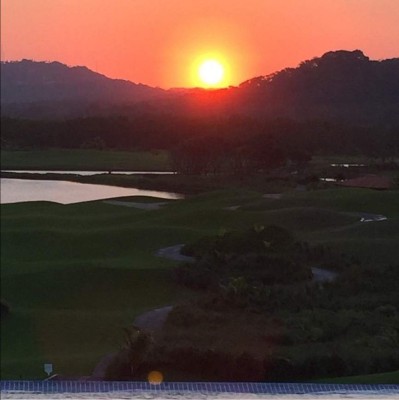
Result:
x=153 y=320
x=174 y=253
x=320 y=275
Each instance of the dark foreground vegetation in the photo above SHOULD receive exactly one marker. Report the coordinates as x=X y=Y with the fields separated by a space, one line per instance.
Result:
x=260 y=316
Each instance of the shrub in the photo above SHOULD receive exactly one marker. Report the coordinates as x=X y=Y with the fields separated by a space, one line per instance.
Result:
x=258 y=239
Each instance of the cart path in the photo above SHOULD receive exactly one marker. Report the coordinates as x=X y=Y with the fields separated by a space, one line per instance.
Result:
x=153 y=320
x=173 y=253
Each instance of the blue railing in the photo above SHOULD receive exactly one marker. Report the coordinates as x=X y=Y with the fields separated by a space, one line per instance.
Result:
x=53 y=386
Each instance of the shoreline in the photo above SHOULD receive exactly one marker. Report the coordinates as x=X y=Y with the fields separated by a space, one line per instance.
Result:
x=158 y=182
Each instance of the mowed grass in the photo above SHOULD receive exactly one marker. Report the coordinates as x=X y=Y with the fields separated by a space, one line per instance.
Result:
x=332 y=217
x=72 y=319
x=370 y=242
x=58 y=159
x=340 y=199
x=76 y=274
x=384 y=378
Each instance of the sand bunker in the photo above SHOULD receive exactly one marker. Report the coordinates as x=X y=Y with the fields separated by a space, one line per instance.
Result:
x=141 y=206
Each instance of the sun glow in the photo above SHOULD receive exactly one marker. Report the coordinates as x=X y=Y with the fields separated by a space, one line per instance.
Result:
x=211 y=72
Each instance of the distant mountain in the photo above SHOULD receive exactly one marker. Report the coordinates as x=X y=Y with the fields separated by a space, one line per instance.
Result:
x=340 y=86
x=32 y=82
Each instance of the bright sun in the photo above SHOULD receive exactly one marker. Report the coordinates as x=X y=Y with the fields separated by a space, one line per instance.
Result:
x=211 y=72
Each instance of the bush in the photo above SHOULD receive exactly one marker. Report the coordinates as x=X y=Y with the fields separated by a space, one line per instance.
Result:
x=200 y=275
x=268 y=270
x=213 y=365
x=261 y=256
x=270 y=239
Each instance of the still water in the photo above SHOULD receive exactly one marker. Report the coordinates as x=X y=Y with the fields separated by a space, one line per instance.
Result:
x=89 y=173
x=20 y=190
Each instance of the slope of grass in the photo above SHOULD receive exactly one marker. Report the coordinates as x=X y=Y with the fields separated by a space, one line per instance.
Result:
x=68 y=317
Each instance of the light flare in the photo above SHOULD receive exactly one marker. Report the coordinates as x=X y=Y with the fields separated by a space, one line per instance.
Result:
x=211 y=72
x=155 y=378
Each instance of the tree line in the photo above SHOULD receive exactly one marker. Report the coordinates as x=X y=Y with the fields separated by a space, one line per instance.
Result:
x=206 y=144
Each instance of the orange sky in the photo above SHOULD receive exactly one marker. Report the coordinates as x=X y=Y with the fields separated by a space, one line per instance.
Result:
x=158 y=42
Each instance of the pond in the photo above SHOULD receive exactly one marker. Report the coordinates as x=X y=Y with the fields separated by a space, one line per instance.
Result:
x=88 y=173
x=64 y=192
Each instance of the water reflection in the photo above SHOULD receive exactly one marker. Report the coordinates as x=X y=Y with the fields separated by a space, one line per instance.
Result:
x=19 y=190
x=348 y=165
x=88 y=173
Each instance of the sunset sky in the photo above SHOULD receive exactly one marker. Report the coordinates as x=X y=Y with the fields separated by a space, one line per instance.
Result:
x=162 y=42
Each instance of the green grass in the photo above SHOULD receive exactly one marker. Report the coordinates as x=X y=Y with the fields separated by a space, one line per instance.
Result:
x=74 y=275
x=57 y=159
x=340 y=159
x=343 y=199
x=384 y=378
x=73 y=319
